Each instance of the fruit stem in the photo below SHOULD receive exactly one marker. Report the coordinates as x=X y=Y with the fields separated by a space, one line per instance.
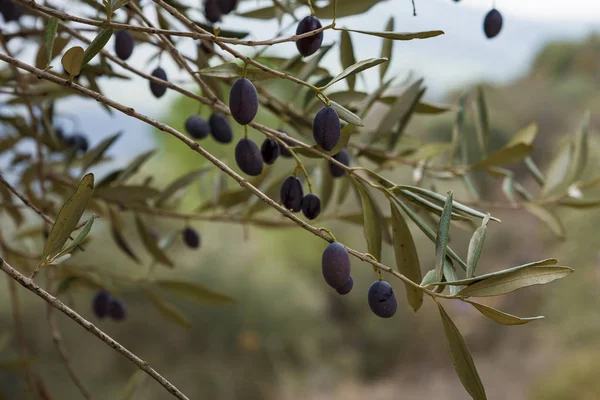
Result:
x=245 y=69
x=245 y=131
x=300 y=166
x=329 y=233
x=312 y=10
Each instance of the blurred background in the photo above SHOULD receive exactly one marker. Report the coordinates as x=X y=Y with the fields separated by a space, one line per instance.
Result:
x=289 y=336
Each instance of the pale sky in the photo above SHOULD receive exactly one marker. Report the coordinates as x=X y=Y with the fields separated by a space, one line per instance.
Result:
x=579 y=10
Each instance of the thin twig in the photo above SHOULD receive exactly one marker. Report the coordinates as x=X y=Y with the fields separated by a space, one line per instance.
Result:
x=59 y=305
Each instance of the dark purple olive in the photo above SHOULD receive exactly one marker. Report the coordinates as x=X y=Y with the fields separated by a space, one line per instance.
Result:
x=309 y=45
x=342 y=157
x=382 y=299
x=212 y=11
x=311 y=206
x=291 y=193
x=197 y=127
x=492 y=24
x=123 y=44
x=243 y=101
x=116 y=310
x=346 y=288
x=335 y=265
x=220 y=128
x=100 y=303
x=248 y=157
x=326 y=128
x=269 y=150
x=158 y=89
x=191 y=238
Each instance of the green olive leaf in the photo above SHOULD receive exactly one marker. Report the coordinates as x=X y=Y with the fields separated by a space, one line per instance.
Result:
x=94 y=155
x=386 y=49
x=49 y=36
x=168 y=310
x=347 y=57
x=116 y=230
x=150 y=244
x=126 y=194
x=194 y=292
x=507 y=155
x=68 y=217
x=79 y=238
x=407 y=258
x=133 y=167
x=401 y=35
x=461 y=358
x=72 y=59
x=441 y=241
x=547 y=217
x=179 y=184
x=135 y=381
x=482 y=121
x=475 y=247
x=231 y=70
x=327 y=185
x=346 y=114
x=500 y=316
x=97 y=44
x=372 y=221
x=355 y=69
x=400 y=107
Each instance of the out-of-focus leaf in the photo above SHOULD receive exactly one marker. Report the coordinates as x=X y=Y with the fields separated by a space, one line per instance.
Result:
x=429 y=150
x=547 y=217
x=346 y=114
x=400 y=107
x=342 y=193
x=72 y=59
x=4 y=340
x=79 y=238
x=506 y=155
x=347 y=57
x=372 y=223
x=373 y=97
x=428 y=205
x=428 y=108
x=68 y=217
x=580 y=150
x=461 y=358
x=345 y=8
x=441 y=241
x=133 y=167
x=116 y=232
x=7 y=143
x=500 y=316
x=95 y=154
x=168 y=310
x=136 y=380
x=14 y=212
x=178 y=184
x=97 y=44
x=407 y=258
x=327 y=185
x=195 y=292
x=514 y=280
x=261 y=13
x=535 y=171
x=526 y=135
x=345 y=135
x=450 y=275
x=557 y=180
x=17 y=363
x=49 y=36
x=475 y=247
x=579 y=203
x=312 y=66
x=127 y=194
x=386 y=50
x=150 y=244
x=355 y=69
x=483 y=124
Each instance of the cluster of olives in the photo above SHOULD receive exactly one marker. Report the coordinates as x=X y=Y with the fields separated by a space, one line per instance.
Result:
x=10 y=10
x=215 y=9
x=75 y=140
x=104 y=305
x=292 y=198
x=335 y=265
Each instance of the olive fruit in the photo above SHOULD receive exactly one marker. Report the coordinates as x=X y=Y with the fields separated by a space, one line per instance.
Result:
x=212 y=11
x=326 y=128
x=227 y=6
x=342 y=157
x=309 y=45
x=191 y=238
x=283 y=150
x=382 y=299
x=116 y=309
x=158 y=89
x=269 y=150
x=243 y=101
x=197 y=127
x=11 y=10
x=311 y=206
x=291 y=193
x=220 y=128
x=492 y=24
x=346 y=288
x=100 y=303
x=78 y=141
x=248 y=157
x=123 y=44
x=335 y=265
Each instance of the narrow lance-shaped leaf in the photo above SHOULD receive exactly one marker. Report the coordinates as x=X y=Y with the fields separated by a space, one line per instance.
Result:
x=134 y=166
x=97 y=152
x=116 y=230
x=386 y=49
x=372 y=223
x=450 y=275
x=194 y=292
x=97 y=44
x=509 y=282
x=230 y=70
x=461 y=358
x=327 y=185
x=49 y=36
x=500 y=316
x=150 y=244
x=407 y=258
x=475 y=247
x=347 y=57
x=506 y=155
x=179 y=184
x=401 y=35
x=68 y=217
x=459 y=140
x=483 y=125
x=557 y=179
x=72 y=59
x=399 y=108
x=404 y=120
x=356 y=68
x=168 y=310
x=580 y=150
x=535 y=171
x=79 y=238
x=136 y=380
x=428 y=232
x=442 y=237
x=428 y=278
x=346 y=114
x=547 y=217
